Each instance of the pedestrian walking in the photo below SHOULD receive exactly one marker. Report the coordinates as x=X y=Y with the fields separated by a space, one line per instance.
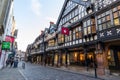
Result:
x=11 y=61
x=15 y=63
x=7 y=62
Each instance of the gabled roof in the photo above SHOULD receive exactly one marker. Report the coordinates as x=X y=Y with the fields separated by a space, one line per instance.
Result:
x=52 y=25
x=61 y=13
x=46 y=29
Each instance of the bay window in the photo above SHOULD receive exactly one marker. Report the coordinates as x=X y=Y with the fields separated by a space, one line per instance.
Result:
x=51 y=43
x=77 y=33
x=60 y=38
x=104 y=20
x=89 y=26
x=116 y=15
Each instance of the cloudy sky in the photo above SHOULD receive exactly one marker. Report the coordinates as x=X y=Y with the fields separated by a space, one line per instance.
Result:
x=32 y=16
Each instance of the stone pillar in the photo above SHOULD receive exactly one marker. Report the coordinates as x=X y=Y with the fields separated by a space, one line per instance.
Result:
x=53 y=57
x=107 y=71
x=59 y=59
x=86 y=62
x=100 y=64
x=101 y=59
x=66 y=63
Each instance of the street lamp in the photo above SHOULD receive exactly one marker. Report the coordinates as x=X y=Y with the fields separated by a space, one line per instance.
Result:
x=95 y=65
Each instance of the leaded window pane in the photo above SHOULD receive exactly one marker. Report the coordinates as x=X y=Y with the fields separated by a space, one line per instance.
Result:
x=74 y=31
x=114 y=9
x=88 y=22
x=79 y=28
x=93 y=29
x=89 y=30
x=80 y=34
x=119 y=13
x=108 y=17
x=100 y=27
x=85 y=31
x=103 y=19
x=115 y=14
x=108 y=12
x=77 y=35
x=104 y=26
x=84 y=24
x=99 y=16
x=82 y=14
x=99 y=21
x=108 y=24
x=119 y=7
x=103 y=14
x=73 y=36
x=116 y=22
x=92 y=21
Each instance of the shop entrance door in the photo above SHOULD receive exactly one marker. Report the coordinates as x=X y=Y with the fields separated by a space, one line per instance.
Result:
x=117 y=59
x=114 y=62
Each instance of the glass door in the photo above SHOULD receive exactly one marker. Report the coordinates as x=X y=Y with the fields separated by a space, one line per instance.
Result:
x=114 y=59
x=119 y=60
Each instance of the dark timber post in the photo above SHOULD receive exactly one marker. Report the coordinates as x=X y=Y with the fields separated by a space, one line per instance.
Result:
x=66 y=63
x=86 y=59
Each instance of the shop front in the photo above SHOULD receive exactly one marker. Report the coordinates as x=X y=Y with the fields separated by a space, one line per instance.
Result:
x=77 y=58
x=56 y=60
x=114 y=59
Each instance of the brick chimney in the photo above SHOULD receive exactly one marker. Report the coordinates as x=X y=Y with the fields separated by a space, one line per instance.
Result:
x=51 y=22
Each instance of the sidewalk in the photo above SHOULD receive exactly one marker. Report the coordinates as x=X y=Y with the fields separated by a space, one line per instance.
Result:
x=10 y=74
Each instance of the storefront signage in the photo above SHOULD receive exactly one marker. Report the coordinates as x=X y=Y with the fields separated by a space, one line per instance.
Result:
x=5 y=45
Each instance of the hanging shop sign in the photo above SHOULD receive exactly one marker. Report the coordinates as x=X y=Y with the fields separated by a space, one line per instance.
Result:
x=9 y=39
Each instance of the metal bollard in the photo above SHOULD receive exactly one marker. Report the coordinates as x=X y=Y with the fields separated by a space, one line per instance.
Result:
x=23 y=65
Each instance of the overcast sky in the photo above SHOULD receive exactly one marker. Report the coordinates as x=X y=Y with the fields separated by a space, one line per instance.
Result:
x=32 y=16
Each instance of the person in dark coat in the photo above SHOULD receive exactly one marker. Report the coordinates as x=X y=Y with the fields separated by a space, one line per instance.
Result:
x=11 y=61
x=7 y=62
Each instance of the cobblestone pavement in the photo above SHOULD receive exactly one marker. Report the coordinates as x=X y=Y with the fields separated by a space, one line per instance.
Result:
x=10 y=74
x=37 y=72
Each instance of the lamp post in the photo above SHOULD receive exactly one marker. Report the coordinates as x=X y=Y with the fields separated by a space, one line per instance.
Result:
x=86 y=59
x=95 y=65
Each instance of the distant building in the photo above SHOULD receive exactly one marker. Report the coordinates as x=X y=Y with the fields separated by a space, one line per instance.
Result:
x=20 y=54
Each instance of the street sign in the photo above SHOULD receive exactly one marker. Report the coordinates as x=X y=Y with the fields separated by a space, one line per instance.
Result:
x=5 y=45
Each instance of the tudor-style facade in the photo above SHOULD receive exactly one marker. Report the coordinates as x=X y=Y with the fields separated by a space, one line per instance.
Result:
x=36 y=49
x=94 y=39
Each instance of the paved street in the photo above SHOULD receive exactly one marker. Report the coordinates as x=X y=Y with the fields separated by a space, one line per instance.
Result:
x=37 y=72
x=10 y=74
